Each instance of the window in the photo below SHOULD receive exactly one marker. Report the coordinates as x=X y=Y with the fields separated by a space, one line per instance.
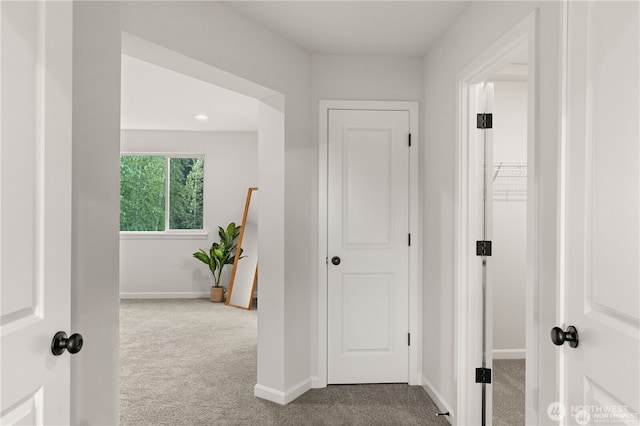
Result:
x=160 y=193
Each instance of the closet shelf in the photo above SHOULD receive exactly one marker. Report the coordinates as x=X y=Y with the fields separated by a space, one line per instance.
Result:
x=510 y=181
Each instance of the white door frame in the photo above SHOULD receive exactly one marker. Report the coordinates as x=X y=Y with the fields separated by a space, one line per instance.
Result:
x=468 y=291
x=415 y=267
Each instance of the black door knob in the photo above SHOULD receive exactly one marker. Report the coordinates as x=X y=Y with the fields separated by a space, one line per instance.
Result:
x=558 y=337
x=335 y=260
x=61 y=342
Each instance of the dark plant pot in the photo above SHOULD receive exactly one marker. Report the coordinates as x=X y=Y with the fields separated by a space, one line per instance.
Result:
x=217 y=294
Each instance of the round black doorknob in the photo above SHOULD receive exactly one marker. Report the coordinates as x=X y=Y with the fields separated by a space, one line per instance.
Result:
x=61 y=342
x=335 y=260
x=558 y=337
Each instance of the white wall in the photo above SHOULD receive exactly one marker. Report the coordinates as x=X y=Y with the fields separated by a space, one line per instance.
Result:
x=477 y=28
x=95 y=212
x=213 y=34
x=508 y=260
x=510 y=121
x=380 y=78
x=342 y=77
x=152 y=267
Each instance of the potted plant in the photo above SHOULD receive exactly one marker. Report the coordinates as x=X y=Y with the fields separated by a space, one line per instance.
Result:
x=220 y=254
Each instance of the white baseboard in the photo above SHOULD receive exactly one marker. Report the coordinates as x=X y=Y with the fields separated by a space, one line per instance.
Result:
x=297 y=390
x=509 y=354
x=315 y=383
x=435 y=396
x=270 y=394
x=165 y=295
x=279 y=397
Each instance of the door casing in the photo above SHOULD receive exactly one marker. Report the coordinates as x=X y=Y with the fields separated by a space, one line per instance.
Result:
x=468 y=291
x=415 y=227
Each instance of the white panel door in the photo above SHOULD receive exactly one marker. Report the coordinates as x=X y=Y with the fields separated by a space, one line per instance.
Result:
x=602 y=256
x=368 y=210
x=35 y=209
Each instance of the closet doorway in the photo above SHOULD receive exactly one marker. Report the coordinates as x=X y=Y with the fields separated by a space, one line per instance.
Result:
x=502 y=137
x=508 y=263
x=496 y=239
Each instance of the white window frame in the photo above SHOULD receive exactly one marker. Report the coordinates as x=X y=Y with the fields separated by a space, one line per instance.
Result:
x=181 y=234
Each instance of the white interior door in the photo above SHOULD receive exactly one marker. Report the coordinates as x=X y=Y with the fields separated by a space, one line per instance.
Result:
x=35 y=209
x=602 y=236
x=368 y=247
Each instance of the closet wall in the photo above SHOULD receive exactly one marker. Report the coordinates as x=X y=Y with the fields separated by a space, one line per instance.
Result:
x=509 y=218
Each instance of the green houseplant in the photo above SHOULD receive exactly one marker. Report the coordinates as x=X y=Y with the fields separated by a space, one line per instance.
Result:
x=220 y=254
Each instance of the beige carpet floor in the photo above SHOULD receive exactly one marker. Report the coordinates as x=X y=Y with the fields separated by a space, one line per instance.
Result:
x=192 y=362
x=508 y=392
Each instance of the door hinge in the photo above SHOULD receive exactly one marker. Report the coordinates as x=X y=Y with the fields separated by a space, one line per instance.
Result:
x=409 y=139
x=408 y=339
x=485 y=121
x=409 y=240
x=483 y=375
x=483 y=248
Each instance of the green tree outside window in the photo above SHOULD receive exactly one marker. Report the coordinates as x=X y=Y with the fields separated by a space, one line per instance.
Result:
x=145 y=189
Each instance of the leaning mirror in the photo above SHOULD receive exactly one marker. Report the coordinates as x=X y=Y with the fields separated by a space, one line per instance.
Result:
x=244 y=275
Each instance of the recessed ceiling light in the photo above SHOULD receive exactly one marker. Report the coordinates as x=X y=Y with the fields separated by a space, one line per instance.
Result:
x=201 y=117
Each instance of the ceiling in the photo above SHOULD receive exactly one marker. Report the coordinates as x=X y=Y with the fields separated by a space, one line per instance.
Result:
x=399 y=28
x=160 y=99
x=157 y=98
